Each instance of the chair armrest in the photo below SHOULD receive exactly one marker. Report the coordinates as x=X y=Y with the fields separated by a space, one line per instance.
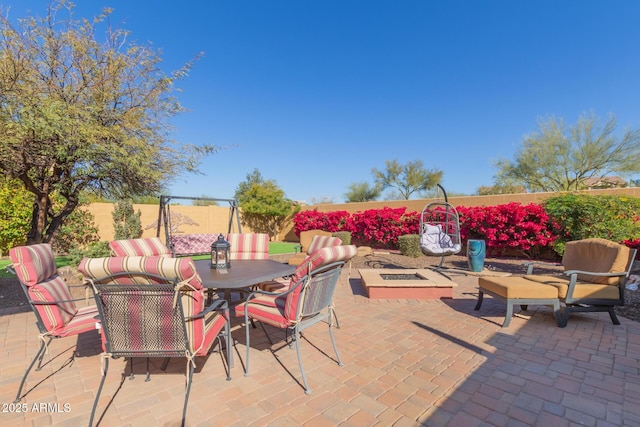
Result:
x=259 y=291
x=592 y=273
x=54 y=302
x=219 y=305
x=531 y=264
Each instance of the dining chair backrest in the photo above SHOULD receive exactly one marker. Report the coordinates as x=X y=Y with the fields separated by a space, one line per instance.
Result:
x=37 y=272
x=147 y=246
x=313 y=264
x=248 y=245
x=135 y=270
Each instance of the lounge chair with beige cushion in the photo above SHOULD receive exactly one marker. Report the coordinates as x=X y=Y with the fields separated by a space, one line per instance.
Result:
x=594 y=277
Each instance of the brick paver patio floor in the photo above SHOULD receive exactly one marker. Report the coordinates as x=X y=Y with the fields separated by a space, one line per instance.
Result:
x=407 y=363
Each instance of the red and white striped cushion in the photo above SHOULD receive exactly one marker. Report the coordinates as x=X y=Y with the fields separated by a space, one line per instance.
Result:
x=319 y=258
x=36 y=268
x=54 y=316
x=323 y=242
x=34 y=263
x=282 y=311
x=181 y=268
x=148 y=246
x=248 y=245
x=201 y=331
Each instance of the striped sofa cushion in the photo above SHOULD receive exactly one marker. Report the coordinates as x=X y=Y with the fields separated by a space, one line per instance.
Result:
x=36 y=268
x=248 y=245
x=148 y=246
x=202 y=331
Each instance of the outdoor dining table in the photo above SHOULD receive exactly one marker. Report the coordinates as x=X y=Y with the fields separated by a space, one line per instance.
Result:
x=242 y=275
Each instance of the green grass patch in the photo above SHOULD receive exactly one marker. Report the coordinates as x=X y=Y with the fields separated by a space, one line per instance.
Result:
x=276 y=248
x=3 y=268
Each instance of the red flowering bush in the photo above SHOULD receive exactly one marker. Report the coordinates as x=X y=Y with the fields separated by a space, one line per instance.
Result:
x=382 y=227
x=314 y=220
x=508 y=228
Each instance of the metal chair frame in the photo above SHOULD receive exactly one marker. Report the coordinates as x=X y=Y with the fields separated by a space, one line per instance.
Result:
x=315 y=305
x=151 y=297
x=43 y=331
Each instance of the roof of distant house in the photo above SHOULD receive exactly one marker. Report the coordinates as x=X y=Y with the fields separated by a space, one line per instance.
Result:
x=607 y=181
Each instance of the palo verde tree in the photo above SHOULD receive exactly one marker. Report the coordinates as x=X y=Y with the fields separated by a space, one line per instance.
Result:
x=81 y=113
x=406 y=179
x=362 y=192
x=557 y=158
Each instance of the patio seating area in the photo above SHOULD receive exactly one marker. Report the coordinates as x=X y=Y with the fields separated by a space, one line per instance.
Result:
x=406 y=362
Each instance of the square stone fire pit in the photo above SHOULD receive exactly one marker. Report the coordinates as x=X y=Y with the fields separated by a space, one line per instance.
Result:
x=384 y=283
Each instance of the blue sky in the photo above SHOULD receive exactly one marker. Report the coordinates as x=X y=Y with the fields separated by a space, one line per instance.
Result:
x=314 y=94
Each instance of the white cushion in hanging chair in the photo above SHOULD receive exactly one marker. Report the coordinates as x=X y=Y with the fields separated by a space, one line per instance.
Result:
x=435 y=241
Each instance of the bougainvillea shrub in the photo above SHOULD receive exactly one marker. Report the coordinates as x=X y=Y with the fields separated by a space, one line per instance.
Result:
x=508 y=229
x=314 y=220
x=382 y=227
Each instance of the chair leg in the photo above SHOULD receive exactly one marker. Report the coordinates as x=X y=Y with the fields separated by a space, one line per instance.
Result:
x=508 y=314
x=246 y=328
x=43 y=353
x=186 y=393
x=229 y=344
x=148 y=378
x=307 y=390
x=564 y=318
x=95 y=402
x=39 y=356
x=332 y=317
x=556 y=313
x=335 y=348
x=612 y=315
x=165 y=363
x=131 y=375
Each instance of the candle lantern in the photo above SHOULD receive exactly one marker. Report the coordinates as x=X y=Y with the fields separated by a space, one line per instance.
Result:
x=220 y=254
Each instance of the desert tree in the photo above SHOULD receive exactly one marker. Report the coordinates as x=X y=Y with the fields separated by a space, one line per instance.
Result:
x=560 y=158
x=406 y=179
x=263 y=205
x=85 y=110
x=362 y=192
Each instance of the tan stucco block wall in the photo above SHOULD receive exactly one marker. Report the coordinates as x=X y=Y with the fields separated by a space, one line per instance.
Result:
x=215 y=219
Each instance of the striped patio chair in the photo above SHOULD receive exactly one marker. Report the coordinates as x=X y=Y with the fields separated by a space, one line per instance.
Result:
x=49 y=296
x=248 y=245
x=307 y=239
x=306 y=301
x=147 y=246
x=154 y=307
